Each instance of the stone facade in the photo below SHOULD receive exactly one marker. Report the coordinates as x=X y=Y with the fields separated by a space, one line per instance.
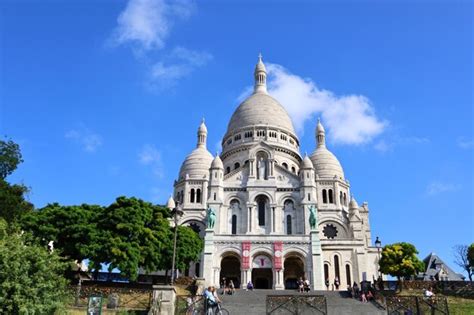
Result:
x=261 y=190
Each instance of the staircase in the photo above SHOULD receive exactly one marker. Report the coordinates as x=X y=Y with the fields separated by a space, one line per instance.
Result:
x=254 y=302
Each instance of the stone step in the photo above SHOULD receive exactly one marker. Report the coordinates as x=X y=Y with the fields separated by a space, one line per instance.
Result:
x=254 y=302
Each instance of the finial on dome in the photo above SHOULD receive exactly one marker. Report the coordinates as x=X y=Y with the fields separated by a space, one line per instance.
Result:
x=202 y=134
x=260 y=75
x=320 y=134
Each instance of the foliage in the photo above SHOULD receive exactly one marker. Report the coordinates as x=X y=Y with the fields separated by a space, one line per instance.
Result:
x=470 y=256
x=132 y=233
x=400 y=260
x=461 y=258
x=189 y=246
x=12 y=197
x=10 y=157
x=71 y=228
x=30 y=281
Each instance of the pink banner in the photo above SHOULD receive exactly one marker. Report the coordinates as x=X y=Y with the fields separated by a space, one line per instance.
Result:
x=278 y=252
x=246 y=255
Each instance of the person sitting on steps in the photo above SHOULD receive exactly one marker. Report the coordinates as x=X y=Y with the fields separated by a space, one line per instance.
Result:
x=306 y=285
x=231 y=289
x=249 y=286
x=300 y=285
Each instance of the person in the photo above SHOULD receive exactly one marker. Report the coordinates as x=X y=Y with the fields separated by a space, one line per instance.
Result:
x=211 y=303
x=306 y=285
x=249 y=286
x=363 y=297
x=355 y=289
x=349 y=291
x=336 y=283
x=218 y=301
x=300 y=285
x=370 y=295
x=231 y=289
x=223 y=285
x=327 y=283
x=428 y=294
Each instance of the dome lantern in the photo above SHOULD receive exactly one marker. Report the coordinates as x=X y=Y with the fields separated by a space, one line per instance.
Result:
x=260 y=75
x=320 y=134
x=202 y=135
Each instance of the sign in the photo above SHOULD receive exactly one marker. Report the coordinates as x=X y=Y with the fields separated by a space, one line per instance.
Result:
x=245 y=255
x=278 y=248
x=94 y=305
x=261 y=261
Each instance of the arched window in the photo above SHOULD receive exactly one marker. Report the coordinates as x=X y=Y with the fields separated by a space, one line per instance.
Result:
x=336 y=267
x=309 y=196
x=234 y=224
x=325 y=196
x=236 y=165
x=293 y=169
x=326 y=272
x=198 y=196
x=341 y=199
x=215 y=196
x=227 y=170
x=348 y=274
x=331 y=199
x=181 y=197
x=284 y=165
x=288 y=225
x=345 y=199
x=192 y=195
x=261 y=211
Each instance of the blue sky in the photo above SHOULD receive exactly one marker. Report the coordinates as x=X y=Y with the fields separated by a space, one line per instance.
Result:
x=105 y=98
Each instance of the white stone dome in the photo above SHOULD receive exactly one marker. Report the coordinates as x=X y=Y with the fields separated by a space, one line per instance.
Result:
x=306 y=163
x=353 y=204
x=326 y=165
x=260 y=109
x=196 y=164
x=217 y=163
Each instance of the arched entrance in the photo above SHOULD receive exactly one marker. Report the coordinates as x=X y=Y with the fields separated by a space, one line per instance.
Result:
x=230 y=270
x=293 y=270
x=262 y=272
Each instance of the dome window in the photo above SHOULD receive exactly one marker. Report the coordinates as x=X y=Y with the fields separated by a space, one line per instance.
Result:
x=198 y=196
x=284 y=165
x=229 y=141
x=236 y=165
x=293 y=169
x=331 y=199
x=227 y=170
x=192 y=195
x=237 y=137
x=249 y=134
x=288 y=225
x=283 y=137
x=260 y=133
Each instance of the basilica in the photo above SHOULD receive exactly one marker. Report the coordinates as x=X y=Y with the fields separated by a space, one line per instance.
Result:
x=266 y=213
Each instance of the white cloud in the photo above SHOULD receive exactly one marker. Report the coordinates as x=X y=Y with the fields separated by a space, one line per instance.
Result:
x=464 y=143
x=180 y=63
x=438 y=187
x=88 y=139
x=388 y=144
x=147 y=23
x=151 y=156
x=349 y=119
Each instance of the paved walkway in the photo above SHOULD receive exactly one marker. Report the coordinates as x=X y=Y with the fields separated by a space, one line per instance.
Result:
x=254 y=303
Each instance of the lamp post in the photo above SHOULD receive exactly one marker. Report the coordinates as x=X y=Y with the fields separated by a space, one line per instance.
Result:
x=378 y=244
x=175 y=212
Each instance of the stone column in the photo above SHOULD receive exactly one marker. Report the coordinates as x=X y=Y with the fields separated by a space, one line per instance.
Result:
x=204 y=196
x=207 y=261
x=273 y=219
x=279 y=285
x=317 y=268
x=165 y=297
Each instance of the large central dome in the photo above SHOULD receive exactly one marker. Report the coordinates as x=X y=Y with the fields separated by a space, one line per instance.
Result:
x=260 y=109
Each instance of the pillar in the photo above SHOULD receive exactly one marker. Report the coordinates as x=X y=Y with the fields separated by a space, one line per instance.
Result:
x=317 y=270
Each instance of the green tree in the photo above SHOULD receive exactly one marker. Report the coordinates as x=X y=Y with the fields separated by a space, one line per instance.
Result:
x=12 y=197
x=131 y=233
x=189 y=246
x=30 y=276
x=72 y=228
x=400 y=260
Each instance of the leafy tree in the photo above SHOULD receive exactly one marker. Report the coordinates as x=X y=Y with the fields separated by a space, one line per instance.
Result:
x=461 y=258
x=132 y=233
x=30 y=276
x=12 y=197
x=470 y=255
x=189 y=246
x=10 y=157
x=72 y=228
x=400 y=260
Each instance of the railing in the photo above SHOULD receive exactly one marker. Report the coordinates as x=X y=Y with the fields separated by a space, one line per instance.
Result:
x=296 y=304
x=416 y=305
x=190 y=305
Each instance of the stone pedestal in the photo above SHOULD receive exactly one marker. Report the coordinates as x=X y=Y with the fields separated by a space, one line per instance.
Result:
x=165 y=297
x=317 y=273
x=207 y=270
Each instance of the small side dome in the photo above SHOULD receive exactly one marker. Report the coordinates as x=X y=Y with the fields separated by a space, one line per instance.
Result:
x=196 y=164
x=217 y=163
x=353 y=204
x=306 y=163
x=202 y=127
x=326 y=165
x=171 y=204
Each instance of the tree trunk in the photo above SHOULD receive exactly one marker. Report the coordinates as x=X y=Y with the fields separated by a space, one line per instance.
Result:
x=400 y=284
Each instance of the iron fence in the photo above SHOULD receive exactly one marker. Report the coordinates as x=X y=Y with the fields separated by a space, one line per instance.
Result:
x=416 y=305
x=296 y=304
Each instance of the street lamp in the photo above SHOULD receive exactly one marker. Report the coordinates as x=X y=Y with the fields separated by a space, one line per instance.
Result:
x=175 y=213
x=378 y=244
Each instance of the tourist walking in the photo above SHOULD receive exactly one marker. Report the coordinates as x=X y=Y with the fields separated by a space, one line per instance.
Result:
x=300 y=285
x=231 y=289
x=336 y=283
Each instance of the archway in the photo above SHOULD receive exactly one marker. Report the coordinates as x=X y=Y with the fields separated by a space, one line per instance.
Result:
x=230 y=269
x=293 y=270
x=262 y=272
